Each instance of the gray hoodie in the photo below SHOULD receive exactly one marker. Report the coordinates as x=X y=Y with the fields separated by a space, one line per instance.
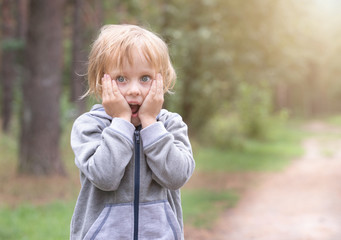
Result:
x=130 y=178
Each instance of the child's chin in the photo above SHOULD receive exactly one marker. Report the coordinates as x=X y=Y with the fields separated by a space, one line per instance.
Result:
x=135 y=121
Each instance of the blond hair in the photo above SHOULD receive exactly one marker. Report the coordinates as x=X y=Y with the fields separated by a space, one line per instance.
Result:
x=118 y=42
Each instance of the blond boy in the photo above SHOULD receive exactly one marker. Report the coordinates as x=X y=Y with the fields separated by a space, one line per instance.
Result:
x=133 y=156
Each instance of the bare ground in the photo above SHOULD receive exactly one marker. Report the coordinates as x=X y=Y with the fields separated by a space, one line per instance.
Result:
x=301 y=203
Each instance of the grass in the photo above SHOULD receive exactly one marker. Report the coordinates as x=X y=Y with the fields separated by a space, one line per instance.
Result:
x=267 y=155
x=52 y=221
x=37 y=208
x=202 y=206
x=335 y=120
x=49 y=217
x=29 y=222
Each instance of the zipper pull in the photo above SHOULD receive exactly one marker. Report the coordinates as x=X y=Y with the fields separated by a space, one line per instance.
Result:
x=137 y=136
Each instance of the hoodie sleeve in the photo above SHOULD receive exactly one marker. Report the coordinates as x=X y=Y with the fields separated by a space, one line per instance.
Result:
x=168 y=151
x=102 y=152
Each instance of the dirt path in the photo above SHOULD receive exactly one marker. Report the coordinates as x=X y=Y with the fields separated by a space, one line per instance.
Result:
x=301 y=203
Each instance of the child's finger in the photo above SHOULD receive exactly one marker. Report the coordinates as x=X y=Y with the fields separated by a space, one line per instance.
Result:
x=159 y=84
x=152 y=90
x=115 y=89
x=104 y=87
x=108 y=86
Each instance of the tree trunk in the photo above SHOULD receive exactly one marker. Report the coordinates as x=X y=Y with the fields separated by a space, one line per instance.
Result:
x=79 y=57
x=22 y=16
x=8 y=61
x=99 y=14
x=40 y=123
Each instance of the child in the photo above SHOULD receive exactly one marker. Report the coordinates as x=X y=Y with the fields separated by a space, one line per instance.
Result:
x=132 y=155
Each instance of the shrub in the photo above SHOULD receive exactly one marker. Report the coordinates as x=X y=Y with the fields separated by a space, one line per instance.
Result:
x=251 y=116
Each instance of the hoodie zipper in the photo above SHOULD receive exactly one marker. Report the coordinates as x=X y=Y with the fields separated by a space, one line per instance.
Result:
x=137 y=182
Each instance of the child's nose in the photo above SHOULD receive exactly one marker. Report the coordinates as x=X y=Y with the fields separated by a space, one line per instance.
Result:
x=134 y=89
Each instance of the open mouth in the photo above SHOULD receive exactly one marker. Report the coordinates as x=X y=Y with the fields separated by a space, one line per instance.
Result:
x=134 y=109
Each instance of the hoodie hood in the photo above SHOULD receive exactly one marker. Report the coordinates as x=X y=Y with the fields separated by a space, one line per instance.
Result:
x=99 y=111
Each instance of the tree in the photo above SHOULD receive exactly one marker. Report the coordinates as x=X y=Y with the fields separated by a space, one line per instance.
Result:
x=79 y=56
x=8 y=57
x=40 y=123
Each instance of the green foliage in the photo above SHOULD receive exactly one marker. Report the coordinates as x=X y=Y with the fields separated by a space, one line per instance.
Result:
x=8 y=149
x=250 y=116
x=254 y=107
x=201 y=207
x=27 y=222
x=230 y=42
x=223 y=131
x=12 y=44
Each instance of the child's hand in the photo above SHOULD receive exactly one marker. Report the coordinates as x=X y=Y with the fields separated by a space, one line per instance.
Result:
x=113 y=102
x=152 y=104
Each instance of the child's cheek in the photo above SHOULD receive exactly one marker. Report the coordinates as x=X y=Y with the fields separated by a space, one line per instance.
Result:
x=146 y=89
x=122 y=88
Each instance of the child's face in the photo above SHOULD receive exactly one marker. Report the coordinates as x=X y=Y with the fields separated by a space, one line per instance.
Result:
x=134 y=82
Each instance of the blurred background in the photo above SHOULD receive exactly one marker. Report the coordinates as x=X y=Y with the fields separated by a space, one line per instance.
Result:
x=250 y=73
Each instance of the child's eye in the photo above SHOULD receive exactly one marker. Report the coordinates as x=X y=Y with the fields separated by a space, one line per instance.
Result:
x=145 y=78
x=120 y=79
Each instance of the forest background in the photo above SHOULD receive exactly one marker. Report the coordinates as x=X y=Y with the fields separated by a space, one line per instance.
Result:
x=244 y=68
